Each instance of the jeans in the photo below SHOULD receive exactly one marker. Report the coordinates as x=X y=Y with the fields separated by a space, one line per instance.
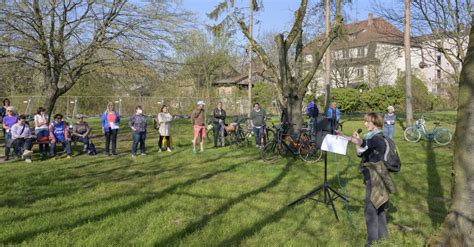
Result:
x=111 y=135
x=84 y=140
x=8 y=144
x=388 y=130
x=168 y=142
x=258 y=131
x=375 y=219
x=66 y=146
x=138 y=137
x=43 y=147
x=219 y=132
x=22 y=144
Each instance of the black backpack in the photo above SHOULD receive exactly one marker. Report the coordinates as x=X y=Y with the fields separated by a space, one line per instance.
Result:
x=391 y=158
x=91 y=150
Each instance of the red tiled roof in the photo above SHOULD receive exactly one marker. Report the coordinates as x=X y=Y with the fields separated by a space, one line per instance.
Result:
x=361 y=34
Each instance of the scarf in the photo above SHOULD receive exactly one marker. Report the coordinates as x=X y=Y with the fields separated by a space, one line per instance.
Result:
x=372 y=133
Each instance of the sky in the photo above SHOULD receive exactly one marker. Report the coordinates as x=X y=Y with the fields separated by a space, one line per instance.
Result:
x=278 y=14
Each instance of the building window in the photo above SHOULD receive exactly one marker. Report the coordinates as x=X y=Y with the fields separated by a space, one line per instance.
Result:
x=438 y=60
x=438 y=74
x=399 y=52
x=360 y=52
x=345 y=53
x=309 y=58
x=360 y=73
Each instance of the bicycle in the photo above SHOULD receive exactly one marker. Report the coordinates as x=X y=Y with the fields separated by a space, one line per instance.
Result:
x=442 y=136
x=283 y=144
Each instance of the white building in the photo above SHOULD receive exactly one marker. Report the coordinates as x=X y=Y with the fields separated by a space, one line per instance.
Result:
x=372 y=52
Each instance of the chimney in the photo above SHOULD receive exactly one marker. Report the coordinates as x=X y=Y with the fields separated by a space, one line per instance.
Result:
x=370 y=20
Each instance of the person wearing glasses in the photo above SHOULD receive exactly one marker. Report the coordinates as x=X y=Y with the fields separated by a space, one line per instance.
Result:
x=8 y=121
x=42 y=131
x=58 y=132
x=81 y=131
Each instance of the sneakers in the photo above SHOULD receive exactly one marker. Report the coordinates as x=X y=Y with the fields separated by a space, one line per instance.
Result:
x=68 y=157
x=134 y=156
x=27 y=153
x=143 y=154
x=28 y=160
x=194 y=150
x=168 y=150
x=159 y=150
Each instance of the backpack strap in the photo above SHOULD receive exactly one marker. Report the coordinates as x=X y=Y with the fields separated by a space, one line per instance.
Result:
x=22 y=130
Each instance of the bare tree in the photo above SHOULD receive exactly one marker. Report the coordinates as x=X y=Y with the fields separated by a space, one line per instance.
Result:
x=292 y=83
x=458 y=224
x=63 y=39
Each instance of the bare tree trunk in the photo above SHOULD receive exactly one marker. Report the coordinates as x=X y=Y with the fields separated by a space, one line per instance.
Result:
x=250 y=57
x=458 y=226
x=328 y=58
x=295 y=115
x=408 y=91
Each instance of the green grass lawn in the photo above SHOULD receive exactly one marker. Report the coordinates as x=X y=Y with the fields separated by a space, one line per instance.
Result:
x=221 y=197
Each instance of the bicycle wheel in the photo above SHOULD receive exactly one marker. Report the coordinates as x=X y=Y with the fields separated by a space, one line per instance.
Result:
x=442 y=137
x=269 y=152
x=309 y=152
x=412 y=134
x=270 y=135
x=210 y=135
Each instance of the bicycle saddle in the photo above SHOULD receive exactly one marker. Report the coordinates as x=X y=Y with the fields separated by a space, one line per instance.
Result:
x=437 y=123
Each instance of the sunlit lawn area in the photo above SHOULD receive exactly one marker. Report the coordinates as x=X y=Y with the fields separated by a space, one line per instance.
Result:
x=221 y=197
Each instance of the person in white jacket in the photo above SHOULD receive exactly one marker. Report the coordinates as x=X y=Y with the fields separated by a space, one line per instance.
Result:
x=164 y=123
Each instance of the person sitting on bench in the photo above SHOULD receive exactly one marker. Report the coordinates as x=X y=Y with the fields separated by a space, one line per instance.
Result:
x=22 y=139
x=81 y=131
x=58 y=132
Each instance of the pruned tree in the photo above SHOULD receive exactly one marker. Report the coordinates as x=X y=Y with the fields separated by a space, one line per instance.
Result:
x=291 y=81
x=458 y=224
x=63 y=39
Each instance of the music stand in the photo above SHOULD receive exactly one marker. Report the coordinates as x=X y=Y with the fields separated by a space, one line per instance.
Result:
x=324 y=125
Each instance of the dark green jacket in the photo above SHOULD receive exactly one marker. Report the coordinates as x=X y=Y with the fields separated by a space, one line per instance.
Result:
x=381 y=181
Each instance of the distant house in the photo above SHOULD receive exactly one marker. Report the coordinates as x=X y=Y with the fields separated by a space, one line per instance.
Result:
x=236 y=82
x=371 y=51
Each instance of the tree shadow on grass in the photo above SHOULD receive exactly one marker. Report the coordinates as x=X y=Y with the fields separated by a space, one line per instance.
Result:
x=193 y=227
x=435 y=198
x=272 y=218
x=149 y=197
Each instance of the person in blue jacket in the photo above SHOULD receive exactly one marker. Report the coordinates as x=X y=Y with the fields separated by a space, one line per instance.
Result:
x=333 y=112
x=110 y=127
x=312 y=112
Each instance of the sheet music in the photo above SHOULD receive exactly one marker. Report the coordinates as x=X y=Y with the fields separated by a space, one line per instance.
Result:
x=335 y=144
x=113 y=125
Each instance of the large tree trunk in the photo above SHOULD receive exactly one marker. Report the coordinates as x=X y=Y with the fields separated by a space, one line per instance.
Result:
x=50 y=101
x=458 y=226
x=295 y=116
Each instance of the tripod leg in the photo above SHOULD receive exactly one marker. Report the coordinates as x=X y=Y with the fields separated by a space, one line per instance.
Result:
x=337 y=193
x=306 y=196
x=332 y=205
